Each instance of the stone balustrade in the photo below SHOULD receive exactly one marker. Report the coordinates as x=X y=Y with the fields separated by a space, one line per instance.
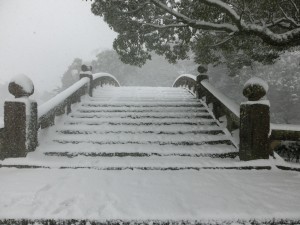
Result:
x=257 y=136
x=23 y=117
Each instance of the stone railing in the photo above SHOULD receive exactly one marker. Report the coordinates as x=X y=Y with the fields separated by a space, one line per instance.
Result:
x=61 y=103
x=257 y=137
x=23 y=118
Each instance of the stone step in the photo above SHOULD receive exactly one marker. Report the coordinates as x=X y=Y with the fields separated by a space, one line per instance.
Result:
x=88 y=149
x=133 y=129
x=133 y=163
x=146 y=121
x=87 y=132
x=184 y=139
x=141 y=105
x=147 y=136
x=140 y=154
x=85 y=109
x=113 y=99
x=142 y=115
x=113 y=142
x=115 y=168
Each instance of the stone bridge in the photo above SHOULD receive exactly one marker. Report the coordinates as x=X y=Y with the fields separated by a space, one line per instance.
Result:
x=100 y=153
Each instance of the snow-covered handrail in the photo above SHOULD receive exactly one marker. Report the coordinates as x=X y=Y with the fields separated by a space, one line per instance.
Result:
x=284 y=132
x=186 y=81
x=222 y=105
x=252 y=118
x=104 y=78
x=57 y=105
x=23 y=117
x=227 y=102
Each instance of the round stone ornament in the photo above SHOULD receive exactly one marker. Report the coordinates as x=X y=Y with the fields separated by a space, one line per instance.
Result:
x=255 y=89
x=202 y=69
x=21 y=86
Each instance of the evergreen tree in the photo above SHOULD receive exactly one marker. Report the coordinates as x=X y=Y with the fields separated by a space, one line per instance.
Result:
x=235 y=32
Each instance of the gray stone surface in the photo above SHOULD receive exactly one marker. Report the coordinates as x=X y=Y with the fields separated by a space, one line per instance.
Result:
x=254 y=131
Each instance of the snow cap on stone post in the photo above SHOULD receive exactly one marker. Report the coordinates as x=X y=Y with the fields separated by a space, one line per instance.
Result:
x=86 y=70
x=255 y=89
x=21 y=86
x=202 y=69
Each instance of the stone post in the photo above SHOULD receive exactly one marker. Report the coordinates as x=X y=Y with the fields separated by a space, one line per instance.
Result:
x=254 y=121
x=20 y=119
x=86 y=71
x=202 y=69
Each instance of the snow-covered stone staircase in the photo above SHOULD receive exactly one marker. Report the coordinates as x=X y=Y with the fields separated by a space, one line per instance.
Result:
x=143 y=128
x=133 y=155
x=145 y=121
x=136 y=128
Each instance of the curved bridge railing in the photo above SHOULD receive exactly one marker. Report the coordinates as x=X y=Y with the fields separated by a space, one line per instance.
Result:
x=23 y=118
x=257 y=136
x=61 y=103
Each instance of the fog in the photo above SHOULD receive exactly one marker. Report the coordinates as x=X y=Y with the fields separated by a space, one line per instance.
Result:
x=40 y=38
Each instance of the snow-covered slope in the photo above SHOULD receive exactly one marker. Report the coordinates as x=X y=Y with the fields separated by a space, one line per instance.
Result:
x=144 y=155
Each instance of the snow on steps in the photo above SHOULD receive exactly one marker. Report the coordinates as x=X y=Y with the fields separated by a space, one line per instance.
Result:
x=131 y=127
x=141 y=109
x=167 y=184
x=154 y=123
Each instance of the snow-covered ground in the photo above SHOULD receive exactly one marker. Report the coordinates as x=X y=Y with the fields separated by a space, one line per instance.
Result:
x=146 y=195
x=76 y=178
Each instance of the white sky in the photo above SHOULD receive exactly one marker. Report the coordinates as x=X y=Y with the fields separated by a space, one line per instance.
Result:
x=40 y=38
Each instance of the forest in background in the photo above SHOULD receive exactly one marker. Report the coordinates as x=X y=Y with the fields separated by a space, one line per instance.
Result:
x=283 y=78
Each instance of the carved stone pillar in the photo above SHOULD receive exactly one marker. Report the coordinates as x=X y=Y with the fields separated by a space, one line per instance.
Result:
x=86 y=71
x=202 y=69
x=254 y=121
x=20 y=119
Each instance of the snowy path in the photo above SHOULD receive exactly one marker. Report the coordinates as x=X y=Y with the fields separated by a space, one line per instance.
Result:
x=144 y=154
x=147 y=195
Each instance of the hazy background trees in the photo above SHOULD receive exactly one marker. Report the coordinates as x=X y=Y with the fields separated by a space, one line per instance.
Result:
x=237 y=39
x=156 y=72
x=283 y=77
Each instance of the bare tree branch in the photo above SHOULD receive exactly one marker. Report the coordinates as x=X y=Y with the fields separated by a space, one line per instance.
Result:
x=291 y=20
x=295 y=6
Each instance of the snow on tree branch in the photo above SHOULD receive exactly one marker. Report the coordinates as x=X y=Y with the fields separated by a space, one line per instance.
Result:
x=196 y=23
x=239 y=25
x=175 y=27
